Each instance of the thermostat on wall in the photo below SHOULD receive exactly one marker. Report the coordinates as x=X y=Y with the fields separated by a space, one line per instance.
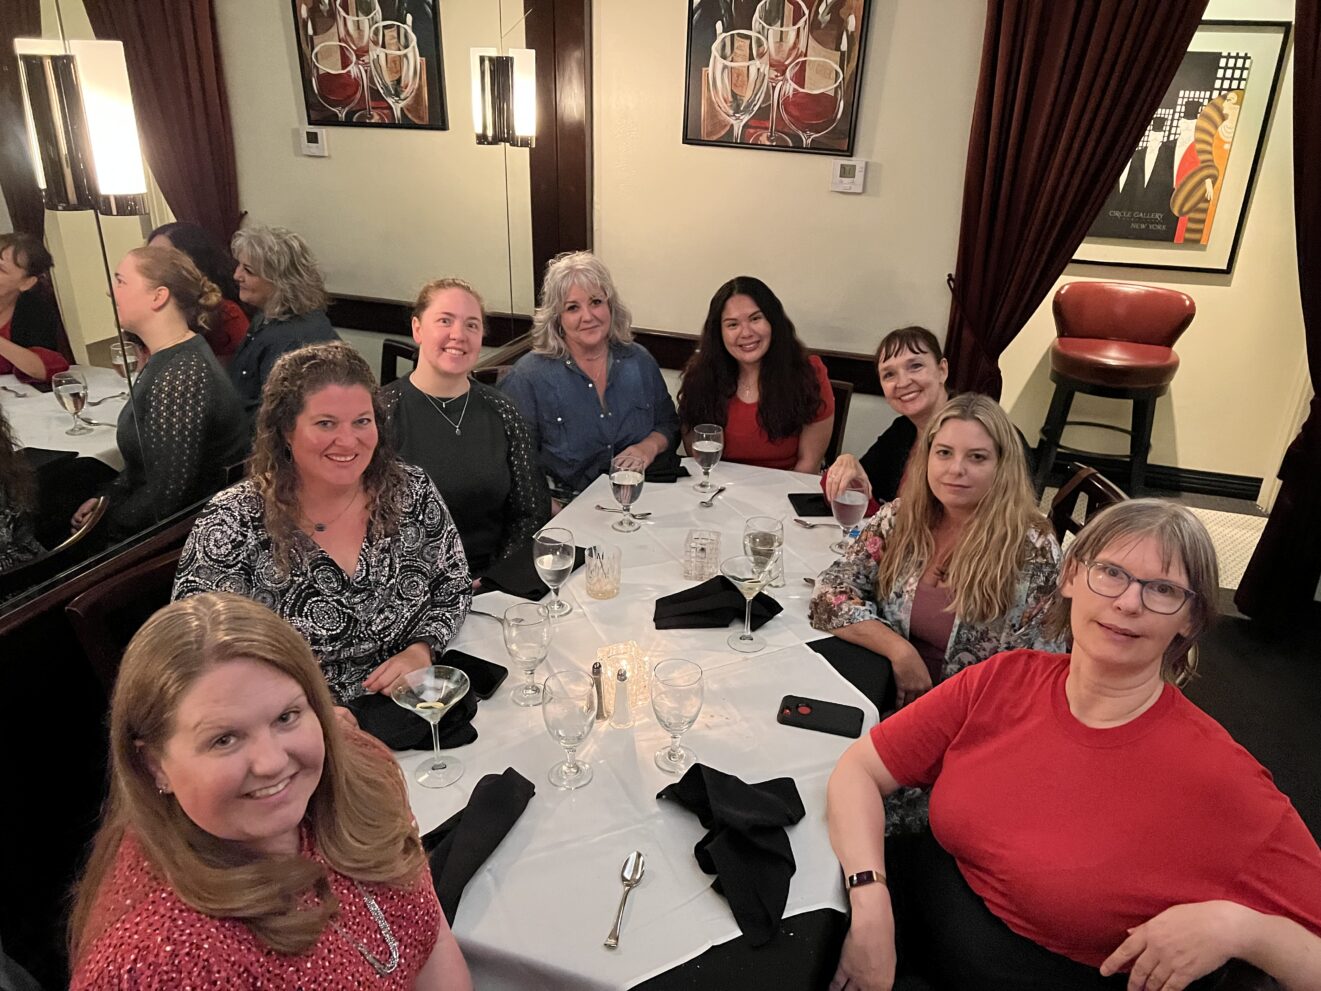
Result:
x=847 y=174
x=313 y=141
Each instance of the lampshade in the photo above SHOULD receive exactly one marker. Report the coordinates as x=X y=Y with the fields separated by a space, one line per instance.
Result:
x=504 y=96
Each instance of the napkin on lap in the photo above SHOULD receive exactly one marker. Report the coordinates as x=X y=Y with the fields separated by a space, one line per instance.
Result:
x=713 y=603
x=746 y=846
x=517 y=575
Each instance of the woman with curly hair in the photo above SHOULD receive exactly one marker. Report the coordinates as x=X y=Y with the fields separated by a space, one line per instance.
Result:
x=278 y=276
x=18 y=542
x=272 y=848
x=215 y=262
x=332 y=532
x=752 y=376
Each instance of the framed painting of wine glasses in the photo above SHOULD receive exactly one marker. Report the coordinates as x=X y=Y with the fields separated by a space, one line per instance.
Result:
x=777 y=75
x=371 y=63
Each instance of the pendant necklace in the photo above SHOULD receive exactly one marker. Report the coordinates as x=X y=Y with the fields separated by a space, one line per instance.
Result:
x=388 y=967
x=323 y=527
x=441 y=409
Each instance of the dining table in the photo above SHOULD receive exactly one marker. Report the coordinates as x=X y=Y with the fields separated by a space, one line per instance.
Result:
x=39 y=422
x=536 y=914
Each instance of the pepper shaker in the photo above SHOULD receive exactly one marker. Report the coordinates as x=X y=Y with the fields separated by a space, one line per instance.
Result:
x=600 y=691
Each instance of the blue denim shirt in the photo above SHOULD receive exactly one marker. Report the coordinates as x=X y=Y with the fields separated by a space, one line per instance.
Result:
x=574 y=434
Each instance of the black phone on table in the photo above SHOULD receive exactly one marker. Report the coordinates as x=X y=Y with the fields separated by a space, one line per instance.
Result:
x=484 y=677
x=824 y=717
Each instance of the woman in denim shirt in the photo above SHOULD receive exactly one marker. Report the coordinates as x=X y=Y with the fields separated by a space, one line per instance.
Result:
x=588 y=392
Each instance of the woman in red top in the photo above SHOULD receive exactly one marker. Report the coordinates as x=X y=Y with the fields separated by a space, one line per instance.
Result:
x=28 y=324
x=214 y=261
x=249 y=840
x=752 y=376
x=1086 y=818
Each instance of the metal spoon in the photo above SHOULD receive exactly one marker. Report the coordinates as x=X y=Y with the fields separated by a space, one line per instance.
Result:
x=106 y=399
x=710 y=500
x=813 y=526
x=95 y=423
x=635 y=865
x=612 y=509
x=14 y=392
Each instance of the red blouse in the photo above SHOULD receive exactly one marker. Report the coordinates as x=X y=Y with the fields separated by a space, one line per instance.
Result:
x=231 y=327
x=53 y=360
x=745 y=440
x=154 y=940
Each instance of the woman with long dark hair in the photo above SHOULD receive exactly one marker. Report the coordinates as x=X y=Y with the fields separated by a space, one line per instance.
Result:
x=215 y=262
x=753 y=376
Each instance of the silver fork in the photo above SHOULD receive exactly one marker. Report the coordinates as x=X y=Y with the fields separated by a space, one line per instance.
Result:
x=106 y=399
x=710 y=500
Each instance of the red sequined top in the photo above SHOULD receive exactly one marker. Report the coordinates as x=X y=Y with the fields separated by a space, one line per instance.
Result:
x=158 y=941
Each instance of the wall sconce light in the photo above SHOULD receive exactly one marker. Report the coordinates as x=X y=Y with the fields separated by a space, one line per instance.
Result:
x=81 y=127
x=504 y=96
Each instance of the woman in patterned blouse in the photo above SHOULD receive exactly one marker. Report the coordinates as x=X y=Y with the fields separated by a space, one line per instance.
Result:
x=247 y=840
x=332 y=532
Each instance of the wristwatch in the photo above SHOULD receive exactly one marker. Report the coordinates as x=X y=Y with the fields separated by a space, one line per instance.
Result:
x=857 y=880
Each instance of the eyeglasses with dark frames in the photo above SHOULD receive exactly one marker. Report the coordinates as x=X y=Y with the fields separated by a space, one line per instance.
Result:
x=1158 y=594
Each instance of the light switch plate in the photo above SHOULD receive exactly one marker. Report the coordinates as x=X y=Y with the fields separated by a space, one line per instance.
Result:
x=847 y=175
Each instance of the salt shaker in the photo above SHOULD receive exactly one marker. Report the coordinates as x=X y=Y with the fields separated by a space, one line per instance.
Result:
x=622 y=716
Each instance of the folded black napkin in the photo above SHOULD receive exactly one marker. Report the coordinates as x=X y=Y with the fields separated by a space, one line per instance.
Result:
x=745 y=846
x=809 y=504
x=713 y=603
x=867 y=671
x=666 y=468
x=517 y=575
x=400 y=729
x=459 y=846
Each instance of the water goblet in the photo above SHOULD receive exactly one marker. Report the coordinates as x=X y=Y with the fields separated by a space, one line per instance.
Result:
x=527 y=631
x=552 y=555
x=430 y=692
x=676 y=700
x=627 y=473
x=708 y=443
x=763 y=541
x=848 y=508
x=70 y=390
x=749 y=578
x=569 y=708
x=125 y=358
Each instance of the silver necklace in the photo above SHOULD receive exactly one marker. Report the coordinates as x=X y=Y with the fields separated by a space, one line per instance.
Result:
x=379 y=917
x=441 y=409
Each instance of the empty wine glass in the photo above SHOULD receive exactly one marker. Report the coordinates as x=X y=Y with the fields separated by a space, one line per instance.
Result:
x=848 y=508
x=569 y=708
x=783 y=23
x=627 y=473
x=552 y=555
x=812 y=97
x=763 y=540
x=70 y=390
x=708 y=443
x=356 y=20
x=676 y=699
x=430 y=692
x=396 y=65
x=738 y=76
x=335 y=77
x=527 y=631
x=748 y=578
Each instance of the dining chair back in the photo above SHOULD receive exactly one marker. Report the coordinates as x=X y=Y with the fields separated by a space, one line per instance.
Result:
x=843 y=393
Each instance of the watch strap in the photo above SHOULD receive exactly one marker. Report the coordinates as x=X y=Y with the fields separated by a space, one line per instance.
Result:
x=857 y=880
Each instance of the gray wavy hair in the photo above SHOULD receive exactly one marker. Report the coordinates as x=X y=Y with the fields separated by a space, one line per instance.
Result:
x=584 y=270
x=283 y=259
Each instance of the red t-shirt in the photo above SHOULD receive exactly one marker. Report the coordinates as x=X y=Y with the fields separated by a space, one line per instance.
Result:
x=1070 y=834
x=746 y=442
x=53 y=360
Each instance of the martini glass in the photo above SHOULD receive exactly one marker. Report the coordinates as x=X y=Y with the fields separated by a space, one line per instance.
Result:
x=750 y=577
x=430 y=693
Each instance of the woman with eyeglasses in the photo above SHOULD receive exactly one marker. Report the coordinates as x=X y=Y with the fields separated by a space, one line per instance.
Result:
x=1090 y=826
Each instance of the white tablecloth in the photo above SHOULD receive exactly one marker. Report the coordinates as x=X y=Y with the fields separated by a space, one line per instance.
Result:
x=39 y=421
x=538 y=912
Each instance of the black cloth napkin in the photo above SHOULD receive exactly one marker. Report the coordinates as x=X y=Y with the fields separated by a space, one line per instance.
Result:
x=484 y=676
x=666 y=468
x=459 y=846
x=809 y=504
x=517 y=575
x=712 y=604
x=400 y=729
x=746 y=846
x=867 y=671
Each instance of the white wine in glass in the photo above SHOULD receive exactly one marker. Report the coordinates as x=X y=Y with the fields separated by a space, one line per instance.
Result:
x=749 y=579
x=431 y=692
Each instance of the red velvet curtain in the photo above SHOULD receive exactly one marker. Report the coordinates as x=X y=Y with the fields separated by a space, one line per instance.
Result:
x=178 y=84
x=1282 y=575
x=1065 y=92
x=21 y=19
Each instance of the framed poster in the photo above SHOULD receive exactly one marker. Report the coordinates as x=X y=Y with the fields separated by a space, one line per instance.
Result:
x=1181 y=200
x=371 y=63
x=779 y=75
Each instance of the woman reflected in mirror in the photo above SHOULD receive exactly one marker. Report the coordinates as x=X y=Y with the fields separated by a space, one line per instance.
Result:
x=29 y=325
x=213 y=260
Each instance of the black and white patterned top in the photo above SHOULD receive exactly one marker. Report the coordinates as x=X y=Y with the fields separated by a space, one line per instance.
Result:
x=412 y=587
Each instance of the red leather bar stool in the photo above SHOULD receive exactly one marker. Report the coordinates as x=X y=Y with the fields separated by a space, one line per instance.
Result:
x=1116 y=340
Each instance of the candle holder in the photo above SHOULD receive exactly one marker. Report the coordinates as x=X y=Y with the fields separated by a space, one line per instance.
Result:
x=626 y=656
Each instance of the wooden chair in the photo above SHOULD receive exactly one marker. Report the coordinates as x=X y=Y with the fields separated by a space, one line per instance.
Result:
x=105 y=617
x=391 y=352
x=843 y=392
x=55 y=560
x=1084 y=484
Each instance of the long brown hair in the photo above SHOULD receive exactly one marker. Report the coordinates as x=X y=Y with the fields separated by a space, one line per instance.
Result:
x=16 y=479
x=358 y=813
x=296 y=376
x=984 y=569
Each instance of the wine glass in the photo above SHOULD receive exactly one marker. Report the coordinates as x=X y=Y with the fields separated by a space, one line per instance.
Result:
x=627 y=473
x=318 y=20
x=708 y=443
x=335 y=77
x=430 y=692
x=848 y=508
x=396 y=66
x=812 y=97
x=527 y=638
x=569 y=708
x=750 y=579
x=783 y=23
x=356 y=20
x=70 y=390
x=552 y=555
x=763 y=538
x=676 y=699
x=737 y=74
x=124 y=358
